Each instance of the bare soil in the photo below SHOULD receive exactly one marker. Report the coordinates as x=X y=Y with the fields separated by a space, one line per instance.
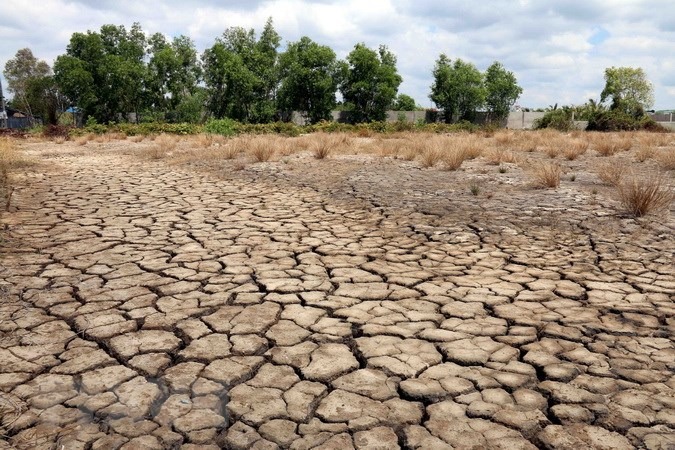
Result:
x=156 y=299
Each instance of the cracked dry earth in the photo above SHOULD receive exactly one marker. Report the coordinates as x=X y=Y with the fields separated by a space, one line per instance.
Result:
x=147 y=307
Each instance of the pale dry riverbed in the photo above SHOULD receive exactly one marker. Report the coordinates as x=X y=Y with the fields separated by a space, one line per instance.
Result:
x=352 y=302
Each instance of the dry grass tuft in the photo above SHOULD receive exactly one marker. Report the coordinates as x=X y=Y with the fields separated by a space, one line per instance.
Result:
x=504 y=138
x=471 y=146
x=323 y=144
x=644 y=195
x=546 y=175
x=204 y=140
x=453 y=158
x=10 y=159
x=575 y=148
x=137 y=138
x=59 y=140
x=431 y=155
x=666 y=158
x=612 y=172
x=644 y=153
x=498 y=156
x=606 y=147
x=262 y=148
x=163 y=146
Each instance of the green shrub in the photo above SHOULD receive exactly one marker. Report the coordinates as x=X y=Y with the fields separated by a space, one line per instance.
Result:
x=558 y=119
x=224 y=127
x=616 y=120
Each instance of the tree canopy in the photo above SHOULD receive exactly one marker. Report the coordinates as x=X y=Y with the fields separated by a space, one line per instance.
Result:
x=628 y=89
x=457 y=88
x=25 y=74
x=309 y=79
x=370 y=82
x=501 y=91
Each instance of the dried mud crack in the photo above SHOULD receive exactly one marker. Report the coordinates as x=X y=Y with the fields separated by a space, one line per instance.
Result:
x=149 y=306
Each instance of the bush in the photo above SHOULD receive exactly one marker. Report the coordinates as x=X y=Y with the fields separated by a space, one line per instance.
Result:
x=224 y=127
x=615 y=120
x=641 y=196
x=558 y=119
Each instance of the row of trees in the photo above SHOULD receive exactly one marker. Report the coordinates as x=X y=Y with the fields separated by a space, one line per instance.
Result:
x=243 y=76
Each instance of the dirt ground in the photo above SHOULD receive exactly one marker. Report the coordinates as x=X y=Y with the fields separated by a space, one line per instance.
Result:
x=358 y=301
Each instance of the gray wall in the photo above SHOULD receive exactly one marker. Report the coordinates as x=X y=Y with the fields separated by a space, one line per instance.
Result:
x=517 y=120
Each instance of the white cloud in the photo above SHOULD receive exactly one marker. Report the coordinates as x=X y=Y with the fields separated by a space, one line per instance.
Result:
x=552 y=47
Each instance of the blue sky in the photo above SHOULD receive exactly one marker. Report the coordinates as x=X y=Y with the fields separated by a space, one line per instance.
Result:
x=557 y=49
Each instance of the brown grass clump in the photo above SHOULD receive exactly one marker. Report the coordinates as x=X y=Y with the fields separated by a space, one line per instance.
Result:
x=262 y=148
x=453 y=158
x=9 y=160
x=606 y=147
x=323 y=144
x=498 y=156
x=625 y=143
x=666 y=158
x=164 y=145
x=204 y=140
x=612 y=172
x=59 y=140
x=471 y=147
x=644 y=195
x=644 y=153
x=137 y=138
x=431 y=155
x=546 y=175
x=575 y=148
x=504 y=138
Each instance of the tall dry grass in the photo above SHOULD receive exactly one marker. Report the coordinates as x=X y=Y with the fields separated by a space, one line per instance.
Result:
x=666 y=158
x=546 y=174
x=612 y=172
x=575 y=148
x=323 y=144
x=646 y=195
x=163 y=146
x=10 y=160
x=262 y=148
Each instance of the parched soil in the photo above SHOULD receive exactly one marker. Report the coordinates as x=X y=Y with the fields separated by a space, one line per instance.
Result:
x=352 y=302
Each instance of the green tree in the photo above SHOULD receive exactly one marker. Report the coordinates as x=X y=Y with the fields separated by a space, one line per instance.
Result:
x=501 y=91
x=241 y=74
x=308 y=73
x=23 y=73
x=370 y=82
x=457 y=88
x=404 y=103
x=173 y=74
x=104 y=73
x=629 y=90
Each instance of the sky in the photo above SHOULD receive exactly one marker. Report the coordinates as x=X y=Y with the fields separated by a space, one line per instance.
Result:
x=557 y=49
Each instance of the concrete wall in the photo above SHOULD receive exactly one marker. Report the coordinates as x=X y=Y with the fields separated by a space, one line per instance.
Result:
x=517 y=120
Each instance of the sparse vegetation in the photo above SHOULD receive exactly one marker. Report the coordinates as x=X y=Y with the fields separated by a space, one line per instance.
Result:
x=261 y=149
x=666 y=159
x=546 y=175
x=612 y=172
x=644 y=195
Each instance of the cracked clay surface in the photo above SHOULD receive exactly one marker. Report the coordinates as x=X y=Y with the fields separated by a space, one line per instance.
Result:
x=150 y=306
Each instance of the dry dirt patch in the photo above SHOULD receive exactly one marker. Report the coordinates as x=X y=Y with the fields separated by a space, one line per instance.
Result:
x=193 y=296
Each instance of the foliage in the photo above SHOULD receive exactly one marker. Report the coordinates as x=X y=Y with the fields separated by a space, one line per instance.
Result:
x=557 y=118
x=629 y=90
x=457 y=88
x=369 y=81
x=404 y=103
x=618 y=120
x=224 y=127
x=31 y=82
x=103 y=73
x=173 y=74
x=241 y=75
x=308 y=74
x=501 y=91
